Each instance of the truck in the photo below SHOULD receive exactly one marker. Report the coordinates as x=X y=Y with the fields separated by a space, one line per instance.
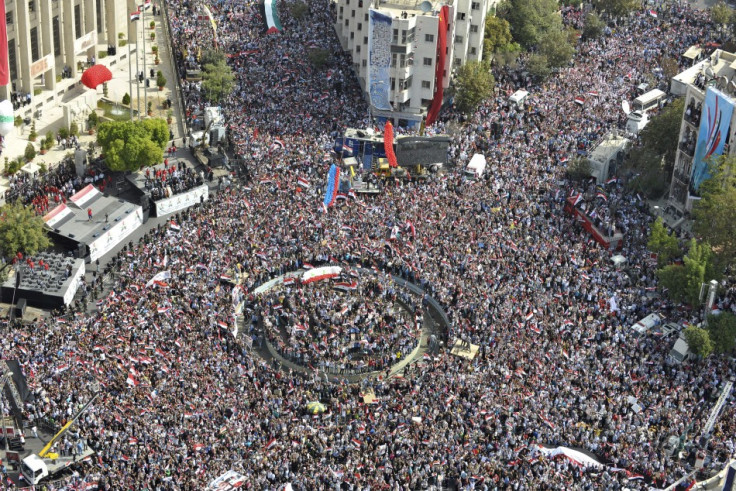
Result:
x=644 y=325
x=476 y=167
x=36 y=468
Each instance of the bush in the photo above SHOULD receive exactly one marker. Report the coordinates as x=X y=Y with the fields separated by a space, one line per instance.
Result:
x=102 y=54
x=126 y=99
x=42 y=168
x=63 y=133
x=74 y=129
x=579 y=169
x=160 y=79
x=698 y=340
x=538 y=67
x=33 y=135
x=154 y=48
x=93 y=119
x=37 y=91
x=30 y=152
x=18 y=121
x=122 y=43
x=121 y=35
x=48 y=143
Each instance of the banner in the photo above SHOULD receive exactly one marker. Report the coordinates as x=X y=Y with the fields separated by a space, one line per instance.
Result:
x=4 y=65
x=439 y=72
x=116 y=234
x=182 y=200
x=715 y=122
x=226 y=482
x=271 y=17
x=379 y=60
x=388 y=144
x=333 y=182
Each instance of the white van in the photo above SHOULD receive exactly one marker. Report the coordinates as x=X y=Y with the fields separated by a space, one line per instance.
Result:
x=476 y=167
x=518 y=97
x=651 y=100
x=645 y=324
x=680 y=351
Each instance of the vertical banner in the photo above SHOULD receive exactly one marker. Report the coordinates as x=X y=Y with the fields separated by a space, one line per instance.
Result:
x=439 y=72
x=715 y=122
x=4 y=66
x=379 y=60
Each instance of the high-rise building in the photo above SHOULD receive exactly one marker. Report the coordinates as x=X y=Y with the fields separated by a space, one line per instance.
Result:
x=396 y=47
x=47 y=40
x=708 y=124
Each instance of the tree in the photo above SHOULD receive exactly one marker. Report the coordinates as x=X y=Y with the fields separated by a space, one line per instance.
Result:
x=721 y=14
x=530 y=19
x=126 y=99
x=497 y=34
x=212 y=57
x=714 y=213
x=318 y=57
x=722 y=331
x=298 y=10
x=593 y=27
x=131 y=145
x=663 y=243
x=579 y=169
x=538 y=67
x=21 y=231
x=218 y=81
x=555 y=46
x=473 y=83
x=160 y=79
x=617 y=8
x=683 y=280
x=698 y=340
x=30 y=152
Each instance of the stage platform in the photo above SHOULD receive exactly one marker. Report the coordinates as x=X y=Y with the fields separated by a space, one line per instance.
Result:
x=459 y=350
x=45 y=288
x=175 y=201
x=112 y=220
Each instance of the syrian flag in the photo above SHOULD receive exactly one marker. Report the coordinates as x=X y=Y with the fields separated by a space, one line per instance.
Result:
x=356 y=442
x=131 y=380
x=300 y=327
x=565 y=354
x=578 y=199
x=345 y=286
x=174 y=226
x=277 y=144
x=410 y=227
x=612 y=180
x=580 y=100
x=548 y=422
x=301 y=181
x=653 y=13
x=135 y=15
x=593 y=93
x=223 y=324
x=529 y=316
x=347 y=150
x=132 y=441
x=271 y=444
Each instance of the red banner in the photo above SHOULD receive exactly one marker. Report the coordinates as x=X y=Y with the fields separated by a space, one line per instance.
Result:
x=388 y=144
x=439 y=73
x=4 y=67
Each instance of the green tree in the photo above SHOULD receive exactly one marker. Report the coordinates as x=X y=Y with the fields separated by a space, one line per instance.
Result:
x=298 y=10
x=663 y=243
x=21 y=230
x=683 y=281
x=212 y=57
x=473 y=83
x=530 y=19
x=579 y=169
x=538 y=66
x=131 y=145
x=714 y=213
x=30 y=152
x=593 y=27
x=721 y=15
x=497 y=34
x=617 y=8
x=698 y=340
x=126 y=99
x=218 y=81
x=722 y=331
x=160 y=79
x=318 y=57
x=555 y=46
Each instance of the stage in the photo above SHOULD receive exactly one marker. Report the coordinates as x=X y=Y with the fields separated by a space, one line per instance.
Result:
x=51 y=283
x=192 y=189
x=92 y=223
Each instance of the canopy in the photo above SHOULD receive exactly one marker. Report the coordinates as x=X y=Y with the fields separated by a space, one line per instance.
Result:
x=96 y=75
x=315 y=407
x=6 y=117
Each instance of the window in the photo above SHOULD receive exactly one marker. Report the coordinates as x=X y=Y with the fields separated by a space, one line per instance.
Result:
x=366 y=18
x=405 y=84
x=9 y=18
x=341 y=10
x=365 y=40
x=426 y=84
x=458 y=39
x=347 y=22
x=352 y=35
x=402 y=61
x=98 y=11
x=32 y=6
x=403 y=36
x=12 y=61
x=460 y=16
x=365 y=63
x=428 y=62
x=393 y=83
x=473 y=51
x=77 y=22
x=357 y=49
x=429 y=38
x=56 y=35
x=360 y=4
x=395 y=39
x=475 y=5
x=473 y=28
x=35 y=54
x=360 y=26
x=352 y=13
x=394 y=60
x=458 y=61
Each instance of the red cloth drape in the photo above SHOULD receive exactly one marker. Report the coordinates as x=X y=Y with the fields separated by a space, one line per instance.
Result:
x=388 y=144
x=4 y=66
x=439 y=73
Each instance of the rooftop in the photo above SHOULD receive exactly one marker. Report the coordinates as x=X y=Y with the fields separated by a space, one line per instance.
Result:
x=411 y=7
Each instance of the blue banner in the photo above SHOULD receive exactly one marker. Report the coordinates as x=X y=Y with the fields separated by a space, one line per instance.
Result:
x=379 y=60
x=367 y=158
x=715 y=122
x=331 y=190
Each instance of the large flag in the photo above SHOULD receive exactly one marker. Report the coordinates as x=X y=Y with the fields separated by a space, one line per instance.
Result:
x=4 y=65
x=379 y=59
x=333 y=183
x=271 y=17
x=439 y=72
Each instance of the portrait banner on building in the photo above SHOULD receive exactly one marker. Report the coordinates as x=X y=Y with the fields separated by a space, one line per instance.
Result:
x=715 y=122
x=379 y=60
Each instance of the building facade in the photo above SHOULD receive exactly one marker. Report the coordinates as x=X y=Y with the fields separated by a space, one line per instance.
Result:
x=47 y=40
x=413 y=48
x=708 y=124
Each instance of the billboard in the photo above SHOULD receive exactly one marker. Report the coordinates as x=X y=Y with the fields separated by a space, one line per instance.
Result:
x=379 y=60
x=715 y=122
x=422 y=150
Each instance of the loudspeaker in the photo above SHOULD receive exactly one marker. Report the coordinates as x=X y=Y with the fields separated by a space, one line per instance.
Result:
x=20 y=308
x=81 y=251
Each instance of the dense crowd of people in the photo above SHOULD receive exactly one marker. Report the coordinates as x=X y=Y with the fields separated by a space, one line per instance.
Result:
x=169 y=180
x=44 y=191
x=365 y=326
x=184 y=400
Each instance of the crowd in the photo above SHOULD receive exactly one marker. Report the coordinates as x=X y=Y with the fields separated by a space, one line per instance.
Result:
x=363 y=330
x=170 y=180
x=44 y=191
x=183 y=400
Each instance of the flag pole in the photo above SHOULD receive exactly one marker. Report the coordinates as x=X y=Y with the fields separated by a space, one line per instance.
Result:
x=130 y=75
x=145 y=75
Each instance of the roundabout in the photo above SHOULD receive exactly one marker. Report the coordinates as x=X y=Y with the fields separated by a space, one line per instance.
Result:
x=343 y=322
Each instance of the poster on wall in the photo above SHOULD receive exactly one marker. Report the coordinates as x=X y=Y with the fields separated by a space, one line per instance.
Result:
x=379 y=60
x=715 y=122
